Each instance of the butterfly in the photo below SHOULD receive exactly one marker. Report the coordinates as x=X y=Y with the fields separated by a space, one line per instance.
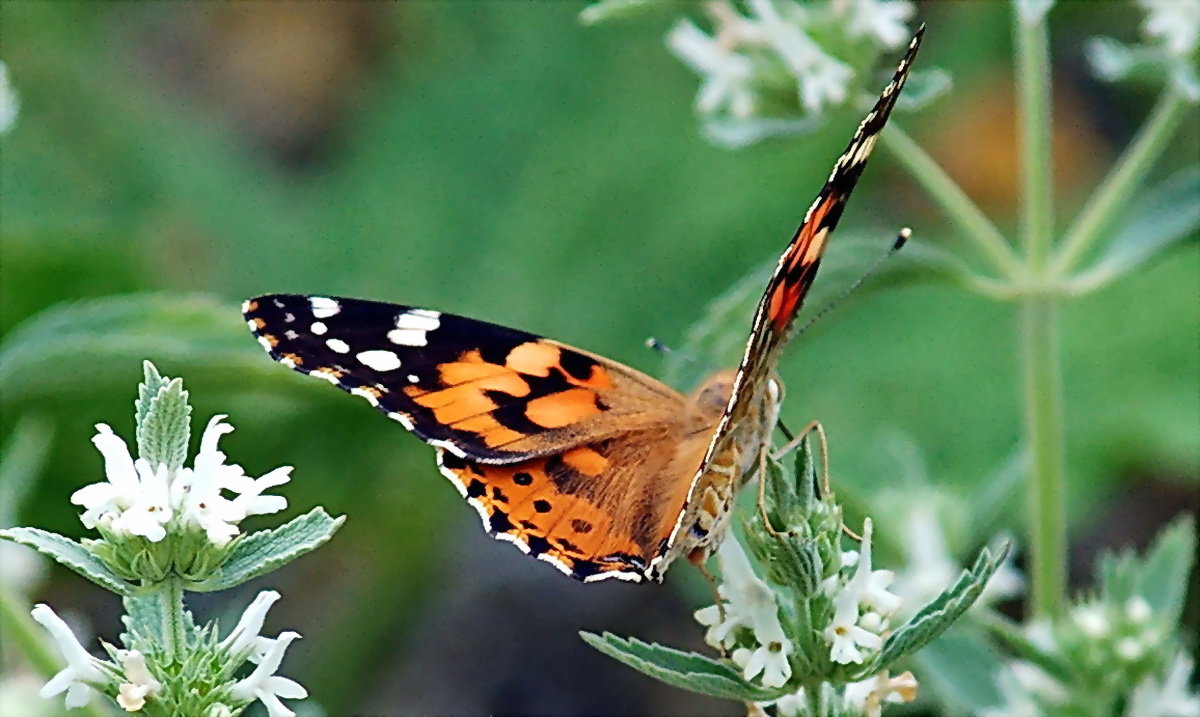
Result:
x=580 y=461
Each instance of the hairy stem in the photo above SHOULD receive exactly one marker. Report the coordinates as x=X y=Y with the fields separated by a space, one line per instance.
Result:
x=1038 y=326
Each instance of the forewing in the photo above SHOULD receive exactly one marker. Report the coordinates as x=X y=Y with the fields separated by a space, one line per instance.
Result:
x=478 y=390
x=797 y=267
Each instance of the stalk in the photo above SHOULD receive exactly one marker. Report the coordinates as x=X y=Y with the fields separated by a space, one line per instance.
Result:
x=1038 y=326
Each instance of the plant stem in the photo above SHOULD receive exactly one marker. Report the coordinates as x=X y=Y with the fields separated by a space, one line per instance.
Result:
x=953 y=201
x=1038 y=319
x=22 y=631
x=174 y=626
x=1126 y=176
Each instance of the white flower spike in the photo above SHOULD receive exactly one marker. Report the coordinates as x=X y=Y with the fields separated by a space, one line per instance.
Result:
x=885 y=21
x=267 y=687
x=81 y=668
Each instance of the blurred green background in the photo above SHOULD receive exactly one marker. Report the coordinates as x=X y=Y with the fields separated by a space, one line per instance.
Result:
x=501 y=161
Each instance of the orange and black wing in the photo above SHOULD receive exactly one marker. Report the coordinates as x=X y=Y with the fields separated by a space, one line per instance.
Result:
x=475 y=389
x=797 y=267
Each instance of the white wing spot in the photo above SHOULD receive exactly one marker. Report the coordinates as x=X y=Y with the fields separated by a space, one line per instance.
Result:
x=378 y=359
x=265 y=344
x=363 y=393
x=412 y=327
x=413 y=378
x=289 y=318
x=323 y=308
x=338 y=345
x=318 y=328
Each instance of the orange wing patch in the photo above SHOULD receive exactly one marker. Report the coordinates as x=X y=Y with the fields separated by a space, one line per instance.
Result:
x=524 y=504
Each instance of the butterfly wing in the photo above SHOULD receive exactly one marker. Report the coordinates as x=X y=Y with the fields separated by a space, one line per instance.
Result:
x=474 y=389
x=576 y=459
x=751 y=412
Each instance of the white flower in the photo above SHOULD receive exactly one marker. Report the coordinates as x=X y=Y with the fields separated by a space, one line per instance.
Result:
x=748 y=603
x=1138 y=610
x=81 y=668
x=197 y=492
x=866 y=588
x=139 y=683
x=10 y=105
x=882 y=21
x=844 y=635
x=1092 y=620
x=1170 y=698
x=867 y=696
x=264 y=685
x=242 y=638
x=820 y=78
x=726 y=73
x=134 y=500
x=1176 y=22
x=793 y=705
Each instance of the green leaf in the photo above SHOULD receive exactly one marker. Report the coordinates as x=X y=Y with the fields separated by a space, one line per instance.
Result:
x=265 y=551
x=941 y=613
x=70 y=554
x=959 y=668
x=21 y=464
x=1163 y=577
x=164 y=420
x=1163 y=217
x=199 y=331
x=685 y=670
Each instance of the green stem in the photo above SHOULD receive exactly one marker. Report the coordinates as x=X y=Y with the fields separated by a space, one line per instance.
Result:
x=1126 y=176
x=1041 y=370
x=1034 y=125
x=974 y=225
x=174 y=625
x=21 y=631
x=1042 y=398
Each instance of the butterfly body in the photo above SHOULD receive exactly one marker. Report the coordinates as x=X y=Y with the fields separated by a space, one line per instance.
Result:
x=578 y=460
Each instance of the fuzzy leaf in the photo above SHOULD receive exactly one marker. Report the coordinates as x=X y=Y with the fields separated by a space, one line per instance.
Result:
x=940 y=614
x=152 y=383
x=685 y=670
x=199 y=331
x=164 y=428
x=69 y=554
x=1161 y=218
x=268 y=550
x=1163 y=577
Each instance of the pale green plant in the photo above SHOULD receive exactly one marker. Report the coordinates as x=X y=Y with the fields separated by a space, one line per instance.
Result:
x=167 y=529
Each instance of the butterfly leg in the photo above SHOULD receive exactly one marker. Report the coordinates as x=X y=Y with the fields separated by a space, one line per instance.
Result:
x=791 y=445
x=699 y=557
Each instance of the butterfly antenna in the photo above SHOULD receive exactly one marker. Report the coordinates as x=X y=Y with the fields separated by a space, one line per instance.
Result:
x=901 y=238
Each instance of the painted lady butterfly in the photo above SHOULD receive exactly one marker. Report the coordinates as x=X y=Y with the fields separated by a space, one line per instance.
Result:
x=580 y=461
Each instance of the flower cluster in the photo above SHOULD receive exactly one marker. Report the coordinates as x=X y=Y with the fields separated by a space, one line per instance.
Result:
x=1097 y=652
x=1117 y=652
x=130 y=678
x=1173 y=30
x=764 y=72
x=143 y=500
x=167 y=529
